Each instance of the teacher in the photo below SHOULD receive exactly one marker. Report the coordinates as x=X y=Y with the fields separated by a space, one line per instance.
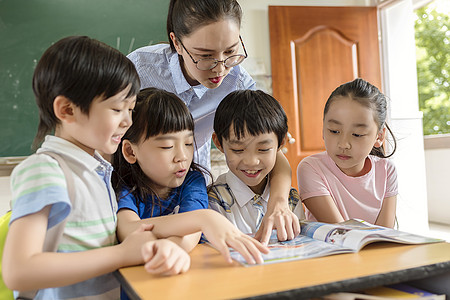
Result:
x=201 y=66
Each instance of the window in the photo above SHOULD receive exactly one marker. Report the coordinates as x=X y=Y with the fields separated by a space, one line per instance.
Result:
x=432 y=27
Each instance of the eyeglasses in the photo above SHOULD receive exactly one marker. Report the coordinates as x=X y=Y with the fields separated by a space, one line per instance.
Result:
x=206 y=64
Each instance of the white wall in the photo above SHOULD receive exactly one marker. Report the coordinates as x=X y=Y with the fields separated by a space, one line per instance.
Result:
x=400 y=85
x=438 y=186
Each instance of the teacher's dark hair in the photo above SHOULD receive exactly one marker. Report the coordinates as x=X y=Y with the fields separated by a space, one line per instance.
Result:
x=81 y=69
x=186 y=16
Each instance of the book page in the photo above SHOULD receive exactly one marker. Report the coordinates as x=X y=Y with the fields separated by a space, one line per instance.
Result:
x=322 y=239
x=301 y=247
x=355 y=234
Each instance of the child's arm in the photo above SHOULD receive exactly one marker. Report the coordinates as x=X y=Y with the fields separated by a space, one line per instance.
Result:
x=217 y=229
x=26 y=267
x=324 y=209
x=386 y=217
x=128 y=221
x=278 y=214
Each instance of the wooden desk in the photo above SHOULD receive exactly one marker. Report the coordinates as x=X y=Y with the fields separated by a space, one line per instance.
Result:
x=210 y=277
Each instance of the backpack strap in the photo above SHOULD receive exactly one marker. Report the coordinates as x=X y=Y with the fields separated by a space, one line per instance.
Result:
x=54 y=234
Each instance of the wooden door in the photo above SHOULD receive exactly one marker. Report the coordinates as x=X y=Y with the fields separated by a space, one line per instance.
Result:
x=313 y=51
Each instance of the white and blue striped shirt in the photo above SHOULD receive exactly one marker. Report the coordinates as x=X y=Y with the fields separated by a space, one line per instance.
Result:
x=159 y=67
x=91 y=221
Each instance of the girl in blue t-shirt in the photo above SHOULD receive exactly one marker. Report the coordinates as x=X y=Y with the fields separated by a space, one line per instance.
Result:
x=154 y=172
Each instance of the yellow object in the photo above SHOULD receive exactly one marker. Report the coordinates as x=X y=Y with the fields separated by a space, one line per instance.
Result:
x=5 y=293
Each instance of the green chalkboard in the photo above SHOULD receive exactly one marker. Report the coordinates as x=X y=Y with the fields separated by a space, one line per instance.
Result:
x=29 y=27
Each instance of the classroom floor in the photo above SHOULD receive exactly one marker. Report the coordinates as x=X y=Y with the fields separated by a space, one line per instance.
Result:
x=436 y=230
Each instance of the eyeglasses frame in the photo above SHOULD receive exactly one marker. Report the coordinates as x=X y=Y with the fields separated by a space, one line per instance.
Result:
x=216 y=60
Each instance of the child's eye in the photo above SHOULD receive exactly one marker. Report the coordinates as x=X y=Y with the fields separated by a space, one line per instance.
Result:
x=189 y=144
x=333 y=131
x=167 y=147
x=358 y=135
x=116 y=110
x=237 y=151
x=265 y=150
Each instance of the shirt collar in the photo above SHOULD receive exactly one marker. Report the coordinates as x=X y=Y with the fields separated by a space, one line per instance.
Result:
x=70 y=150
x=180 y=82
x=242 y=192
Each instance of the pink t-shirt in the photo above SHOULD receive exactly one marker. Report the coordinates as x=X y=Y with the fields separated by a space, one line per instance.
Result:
x=355 y=197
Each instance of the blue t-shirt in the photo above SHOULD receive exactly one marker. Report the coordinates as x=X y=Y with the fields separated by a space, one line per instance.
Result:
x=191 y=195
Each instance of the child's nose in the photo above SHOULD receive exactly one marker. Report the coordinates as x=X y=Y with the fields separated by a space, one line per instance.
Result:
x=251 y=160
x=181 y=154
x=344 y=143
x=127 y=120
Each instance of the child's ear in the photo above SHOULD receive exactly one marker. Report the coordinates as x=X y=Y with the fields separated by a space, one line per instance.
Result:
x=283 y=142
x=216 y=142
x=64 y=109
x=175 y=42
x=128 y=152
x=380 y=138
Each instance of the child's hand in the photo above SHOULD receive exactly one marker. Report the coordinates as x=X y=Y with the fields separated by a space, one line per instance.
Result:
x=280 y=218
x=165 y=257
x=222 y=234
x=132 y=244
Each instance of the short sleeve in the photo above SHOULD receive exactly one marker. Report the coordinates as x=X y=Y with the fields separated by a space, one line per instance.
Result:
x=310 y=179
x=193 y=192
x=36 y=183
x=293 y=199
x=220 y=199
x=135 y=58
x=391 y=184
x=127 y=201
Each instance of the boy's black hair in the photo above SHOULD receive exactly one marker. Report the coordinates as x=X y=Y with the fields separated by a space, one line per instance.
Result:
x=156 y=112
x=185 y=16
x=81 y=69
x=255 y=112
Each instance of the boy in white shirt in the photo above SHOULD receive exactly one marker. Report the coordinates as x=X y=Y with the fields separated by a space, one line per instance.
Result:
x=250 y=127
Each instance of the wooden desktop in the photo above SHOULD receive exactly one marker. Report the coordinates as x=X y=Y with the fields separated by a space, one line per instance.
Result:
x=210 y=277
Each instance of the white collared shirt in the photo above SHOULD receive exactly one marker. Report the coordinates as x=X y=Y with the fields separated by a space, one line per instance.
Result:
x=234 y=199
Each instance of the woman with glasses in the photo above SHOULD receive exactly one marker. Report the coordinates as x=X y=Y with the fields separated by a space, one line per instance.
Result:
x=201 y=66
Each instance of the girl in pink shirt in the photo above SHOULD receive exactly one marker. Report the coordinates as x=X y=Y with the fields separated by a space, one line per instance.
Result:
x=353 y=178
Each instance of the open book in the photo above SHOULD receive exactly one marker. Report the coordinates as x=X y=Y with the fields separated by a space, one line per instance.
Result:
x=320 y=239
